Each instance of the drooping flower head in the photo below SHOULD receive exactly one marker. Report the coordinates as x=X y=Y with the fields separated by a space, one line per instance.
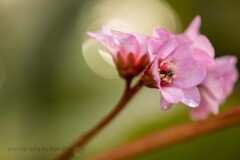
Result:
x=221 y=76
x=129 y=51
x=175 y=73
x=221 y=73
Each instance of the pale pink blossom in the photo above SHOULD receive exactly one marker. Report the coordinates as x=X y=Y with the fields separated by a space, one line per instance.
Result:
x=219 y=82
x=175 y=73
x=221 y=73
x=129 y=51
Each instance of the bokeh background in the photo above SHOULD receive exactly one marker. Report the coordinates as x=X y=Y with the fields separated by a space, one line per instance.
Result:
x=55 y=83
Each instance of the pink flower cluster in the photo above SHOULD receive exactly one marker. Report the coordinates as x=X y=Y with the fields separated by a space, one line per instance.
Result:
x=181 y=66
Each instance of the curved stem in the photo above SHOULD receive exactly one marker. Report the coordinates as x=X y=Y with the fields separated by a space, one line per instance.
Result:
x=173 y=135
x=127 y=95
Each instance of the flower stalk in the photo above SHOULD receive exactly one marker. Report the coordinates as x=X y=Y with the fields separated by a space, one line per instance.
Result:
x=84 y=139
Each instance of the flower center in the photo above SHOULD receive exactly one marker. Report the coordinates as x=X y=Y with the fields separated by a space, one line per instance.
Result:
x=166 y=71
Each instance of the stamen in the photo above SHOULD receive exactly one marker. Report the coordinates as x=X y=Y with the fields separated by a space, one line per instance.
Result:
x=162 y=75
x=170 y=73
x=168 y=80
x=166 y=71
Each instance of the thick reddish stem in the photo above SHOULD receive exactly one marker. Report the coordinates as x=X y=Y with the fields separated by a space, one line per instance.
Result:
x=128 y=94
x=173 y=135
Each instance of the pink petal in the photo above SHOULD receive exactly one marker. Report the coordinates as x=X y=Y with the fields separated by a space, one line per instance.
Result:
x=167 y=48
x=126 y=42
x=162 y=34
x=155 y=71
x=214 y=85
x=171 y=94
x=206 y=106
x=182 y=39
x=180 y=52
x=202 y=57
x=106 y=30
x=201 y=112
x=201 y=42
x=189 y=73
x=120 y=35
x=191 y=97
x=164 y=105
x=153 y=47
x=143 y=42
x=193 y=29
x=105 y=40
x=212 y=103
x=222 y=61
x=163 y=41
x=226 y=66
x=129 y=45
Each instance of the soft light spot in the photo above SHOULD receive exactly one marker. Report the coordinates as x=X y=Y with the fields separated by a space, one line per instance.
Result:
x=106 y=56
x=98 y=60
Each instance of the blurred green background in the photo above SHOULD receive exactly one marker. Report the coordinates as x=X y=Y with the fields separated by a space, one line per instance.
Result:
x=55 y=85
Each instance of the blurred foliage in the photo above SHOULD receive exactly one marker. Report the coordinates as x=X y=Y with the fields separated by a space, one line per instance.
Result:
x=50 y=96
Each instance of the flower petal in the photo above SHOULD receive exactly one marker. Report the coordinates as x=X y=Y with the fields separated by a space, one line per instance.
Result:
x=164 y=105
x=201 y=112
x=106 y=30
x=212 y=103
x=226 y=66
x=166 y=48
x=143 y=42
x=162 y=34
x=129 y=45
x=180 y=52
x=191 y=97
x=193 y=29
x=118 y=35
x=153 y=47
x=105 y=40
x=214 y=85
x=189 y=73
x=202 y=43
x=171 y=94
x=206 y=106
x=202 y=57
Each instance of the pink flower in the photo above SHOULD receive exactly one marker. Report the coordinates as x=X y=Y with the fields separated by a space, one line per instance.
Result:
x=221 y=73
x=175 y=73
x=218 y=84
x=129 y=51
